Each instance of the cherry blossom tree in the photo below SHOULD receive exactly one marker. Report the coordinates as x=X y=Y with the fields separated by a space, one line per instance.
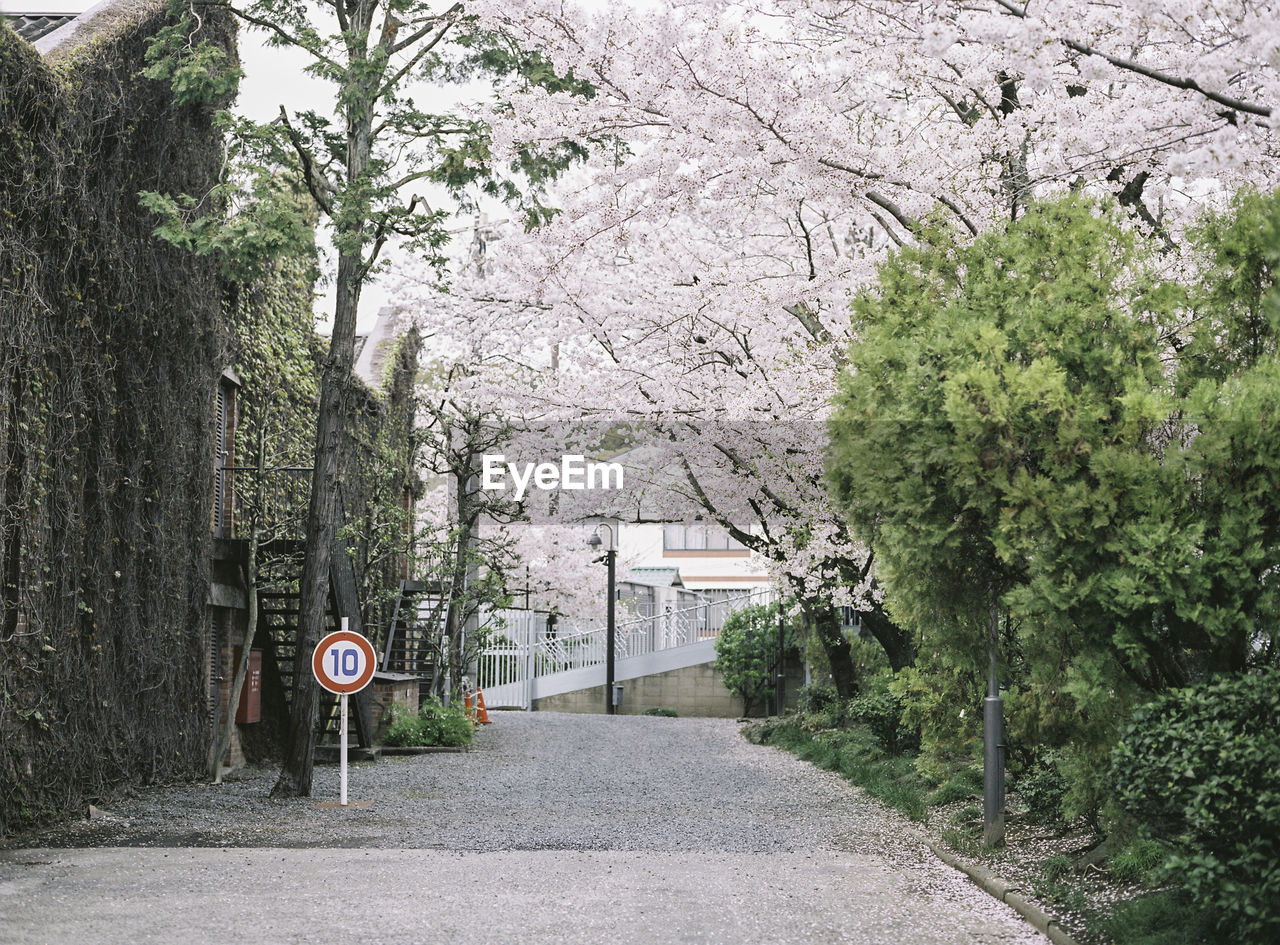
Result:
x=749 y=164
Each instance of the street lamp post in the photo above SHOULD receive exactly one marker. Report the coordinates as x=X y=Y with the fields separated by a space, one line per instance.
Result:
x=610 y=560
x=993 y=744
x=780 y=683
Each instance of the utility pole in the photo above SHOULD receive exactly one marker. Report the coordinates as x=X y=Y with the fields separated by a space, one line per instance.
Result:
x=610 y=560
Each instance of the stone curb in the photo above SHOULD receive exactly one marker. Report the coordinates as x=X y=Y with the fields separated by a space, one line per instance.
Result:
x=1010 y=895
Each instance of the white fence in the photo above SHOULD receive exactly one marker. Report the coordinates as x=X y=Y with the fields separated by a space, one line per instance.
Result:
x=508 y=669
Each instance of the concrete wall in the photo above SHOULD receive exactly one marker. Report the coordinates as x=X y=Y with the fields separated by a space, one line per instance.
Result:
x=695 y=691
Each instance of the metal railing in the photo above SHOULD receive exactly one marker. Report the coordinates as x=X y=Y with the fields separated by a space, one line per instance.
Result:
x=275 y=498
x=521 y=655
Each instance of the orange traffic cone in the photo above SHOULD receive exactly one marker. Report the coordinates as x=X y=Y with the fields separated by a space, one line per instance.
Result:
x=468 y=707
x=482 y=714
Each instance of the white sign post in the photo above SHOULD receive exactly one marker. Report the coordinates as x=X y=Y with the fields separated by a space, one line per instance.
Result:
x=343 y=663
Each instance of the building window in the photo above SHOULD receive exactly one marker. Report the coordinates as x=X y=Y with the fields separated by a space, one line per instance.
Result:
x=699 y=536
x=224 y=455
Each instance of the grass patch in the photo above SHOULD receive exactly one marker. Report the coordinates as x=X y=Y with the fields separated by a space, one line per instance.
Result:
x=1161 y=918
x=1140 y=862
x=967 y=816
x=662 y=711
x=1058 y=892
x=855 y=754
x=1055 y=867
x=964 y=842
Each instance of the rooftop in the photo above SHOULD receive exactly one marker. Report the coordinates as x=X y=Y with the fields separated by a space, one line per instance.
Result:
x=33 y=26
x=37 y=21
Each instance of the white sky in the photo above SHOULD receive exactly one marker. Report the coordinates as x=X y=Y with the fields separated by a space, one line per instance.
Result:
x=275 y=76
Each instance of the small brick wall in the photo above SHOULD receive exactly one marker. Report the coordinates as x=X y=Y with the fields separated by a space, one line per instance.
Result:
x=402 y=692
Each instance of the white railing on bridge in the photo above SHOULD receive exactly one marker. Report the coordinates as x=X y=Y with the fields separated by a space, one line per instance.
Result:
x=523 y=651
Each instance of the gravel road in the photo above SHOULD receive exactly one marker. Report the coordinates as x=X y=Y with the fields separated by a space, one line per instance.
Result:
x=554 y=829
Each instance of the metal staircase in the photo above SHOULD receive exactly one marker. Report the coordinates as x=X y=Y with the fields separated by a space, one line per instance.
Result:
x=413 y=638
x=277 y=631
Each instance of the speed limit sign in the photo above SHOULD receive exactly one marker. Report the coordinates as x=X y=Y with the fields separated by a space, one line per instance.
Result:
x=344 y=662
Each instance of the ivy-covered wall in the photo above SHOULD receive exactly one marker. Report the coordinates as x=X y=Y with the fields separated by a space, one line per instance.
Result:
x=111 y=344
x=381 y=482
x=275 y=352
x=277 y=355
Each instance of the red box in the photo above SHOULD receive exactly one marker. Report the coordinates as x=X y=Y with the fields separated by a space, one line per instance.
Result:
x=250 y=708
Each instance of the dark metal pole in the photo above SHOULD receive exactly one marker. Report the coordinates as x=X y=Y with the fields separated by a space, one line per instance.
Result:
x=781 y=682
x=993 y=744
x=610 y=556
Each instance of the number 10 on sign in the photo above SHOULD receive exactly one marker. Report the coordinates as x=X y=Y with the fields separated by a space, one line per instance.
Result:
x=343 y=663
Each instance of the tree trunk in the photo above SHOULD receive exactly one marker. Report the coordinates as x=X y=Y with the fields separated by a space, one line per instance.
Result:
x=455 y=619
x=826 y=623
x=295 y=775
x=358 y=95
x=223 y=741
x=895 y=641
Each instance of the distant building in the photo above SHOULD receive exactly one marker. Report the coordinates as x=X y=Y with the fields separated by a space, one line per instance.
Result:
x=376 y=347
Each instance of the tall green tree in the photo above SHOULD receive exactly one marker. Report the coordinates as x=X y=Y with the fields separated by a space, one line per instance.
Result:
x=1037 y=418
x=985 y=437
x=362 y=166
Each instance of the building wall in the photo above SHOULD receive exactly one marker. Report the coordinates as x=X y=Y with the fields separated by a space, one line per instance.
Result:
x=113 y=343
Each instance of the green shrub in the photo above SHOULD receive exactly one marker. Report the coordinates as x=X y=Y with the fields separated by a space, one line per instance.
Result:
x=747 y=652
x=661 y=711
x=960 y=786
x=1200 y=768
x=831 y=715
x=881 y=712
x=1168 y=917
x=816 y=697
x=1043 y=787
x=434 y=725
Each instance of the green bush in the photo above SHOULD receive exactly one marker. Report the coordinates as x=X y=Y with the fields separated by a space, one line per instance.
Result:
x=434 y=725
x=747 y=652
x=881 y=713
x=1043 y=787
x=1200 y=768
x=661 y=711
x=962 y=785
x=815 y=697
x=1168 y=917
